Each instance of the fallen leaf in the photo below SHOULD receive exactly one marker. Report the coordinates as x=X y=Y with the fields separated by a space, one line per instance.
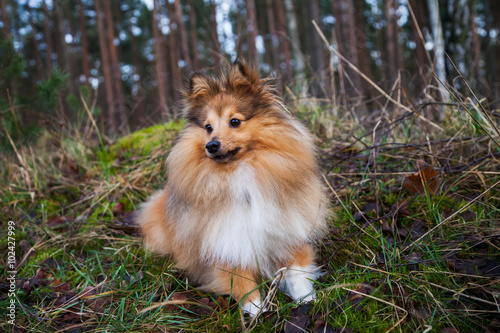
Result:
x=321 y=326
x=177 y=296
x=465 y=266
x=118 y=209
x=41 y=277
x=204 y=308
x=371 y=207
x=386 y=227
x=61 y=287
x=127 y=223
x=70 y=168
x=222 y=302
x=403 y=233
x=129 y=218
x=54 y=221
x=299 y=319
x=427 y=178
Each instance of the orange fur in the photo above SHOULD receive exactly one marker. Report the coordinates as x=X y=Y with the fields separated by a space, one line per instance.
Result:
x=251 y=207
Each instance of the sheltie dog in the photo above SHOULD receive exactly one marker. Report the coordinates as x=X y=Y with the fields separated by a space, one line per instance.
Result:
x=244 y=196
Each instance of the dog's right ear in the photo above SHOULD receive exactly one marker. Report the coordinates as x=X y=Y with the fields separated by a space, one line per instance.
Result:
x=201 y=85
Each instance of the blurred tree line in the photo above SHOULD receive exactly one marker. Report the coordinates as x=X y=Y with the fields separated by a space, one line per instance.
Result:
x=125 y=61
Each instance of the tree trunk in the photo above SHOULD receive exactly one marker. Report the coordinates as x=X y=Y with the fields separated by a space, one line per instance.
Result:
x=238 y=18
x=106 y=67
x=160 y=63
x=275 y=54
x=174 y=55
x=316 y=48
x=194 y=36
x=84 y=44
x=439 y=57
x=421 y=56
x=216 y=50
x=5 y=18
x=353 y=44
x=362 y=51
x=38 y=58
x=48 y=35
x=115 y=68
x=493 y=50
x=138 y=92
x=284 y=45
x=60 y=33
x=476 y=46
x=300 y=66
x=252 y=34
x=339 y=32
x=183 y=35
x=391 y=40
x=70 y=50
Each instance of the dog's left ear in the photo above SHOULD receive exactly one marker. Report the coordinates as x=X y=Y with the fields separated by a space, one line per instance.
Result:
x=201 y=84
x=240 y=73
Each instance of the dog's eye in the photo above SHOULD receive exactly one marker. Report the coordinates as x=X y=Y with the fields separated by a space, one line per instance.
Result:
x=235 y=122
x=209 y=128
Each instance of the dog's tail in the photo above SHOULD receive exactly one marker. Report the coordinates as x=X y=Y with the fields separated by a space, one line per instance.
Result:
x=152 y=220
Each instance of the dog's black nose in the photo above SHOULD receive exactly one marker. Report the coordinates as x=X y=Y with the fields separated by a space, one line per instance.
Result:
x=213 y=146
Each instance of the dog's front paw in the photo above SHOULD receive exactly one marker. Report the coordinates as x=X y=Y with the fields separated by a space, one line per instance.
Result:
x=298 y=284
x=252 y=307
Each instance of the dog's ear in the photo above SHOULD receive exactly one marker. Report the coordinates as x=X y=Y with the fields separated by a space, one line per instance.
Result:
x=201 y=85
x=242 y=74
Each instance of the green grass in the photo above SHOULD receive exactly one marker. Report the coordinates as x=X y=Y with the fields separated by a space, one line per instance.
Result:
x=84 y=268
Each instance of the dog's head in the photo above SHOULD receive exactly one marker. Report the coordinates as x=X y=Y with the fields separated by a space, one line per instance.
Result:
x=230 y=112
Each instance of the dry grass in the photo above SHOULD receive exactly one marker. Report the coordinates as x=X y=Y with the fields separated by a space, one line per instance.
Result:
x=413 y=243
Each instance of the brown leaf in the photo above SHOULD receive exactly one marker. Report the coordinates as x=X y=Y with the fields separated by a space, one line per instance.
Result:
x=223 y=302
x=70 y=168
x=204 y=308
x=54 y=221
x=126 y=224
x=417 y=229
x=299 y=319
x=401 y=208
x=71 y=316
x=386 y=227
x=118 y=209
x=129 y=218
x=490 y=268
x=465 y=266
x=321 y=326
x=61 y=287
x=403 y=232
x=427 y=177
x=413 y=259
x=177 y=296
x=371 y=207
x=41 y=277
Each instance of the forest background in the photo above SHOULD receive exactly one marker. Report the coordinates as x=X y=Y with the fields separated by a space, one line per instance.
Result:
x=128 y=59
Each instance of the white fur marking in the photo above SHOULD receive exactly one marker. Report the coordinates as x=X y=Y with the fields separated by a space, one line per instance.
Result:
x=251 y=228
x=252 y=307
x=298 y=284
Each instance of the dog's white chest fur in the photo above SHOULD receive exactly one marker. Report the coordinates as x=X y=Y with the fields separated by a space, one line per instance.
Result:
x=251 y=227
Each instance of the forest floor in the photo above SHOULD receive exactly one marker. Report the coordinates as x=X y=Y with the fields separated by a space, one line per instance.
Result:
x=413 y=244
